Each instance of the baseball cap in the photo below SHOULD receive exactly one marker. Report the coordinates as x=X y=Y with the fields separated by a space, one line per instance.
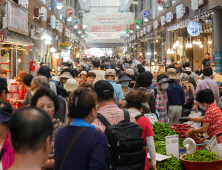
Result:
x=3 y=84
x=44 y=71
x=69 y=61
x=103 y=89
x=66 y=75
x=81 y=64
x=70 y=85
x=21 y=74
x=110 y=72
x=4 y=116
x=188 y=69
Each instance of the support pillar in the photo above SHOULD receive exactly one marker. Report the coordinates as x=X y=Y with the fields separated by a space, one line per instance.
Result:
x=168 y=46
x=25 y=60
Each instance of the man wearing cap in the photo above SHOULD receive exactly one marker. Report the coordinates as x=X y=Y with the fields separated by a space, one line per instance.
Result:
x=107 y=106
x=110 y=76
x=176 y=97
x=3 y=89
x=69 y=63
x=23 y=91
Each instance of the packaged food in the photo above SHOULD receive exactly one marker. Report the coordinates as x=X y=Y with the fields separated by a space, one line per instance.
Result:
x=14 y=87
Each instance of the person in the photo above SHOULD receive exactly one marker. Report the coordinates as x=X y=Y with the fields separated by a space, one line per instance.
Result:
x=212 y=118
x=134 y=62
x=143 y=82
x=3 y=89
x=45 y=71
x=204 y=84
x=82 y=74
x=107 y=106
x=110 y=75
x=95 y=69
x=160 y=95
x=31 y=133
x=70 y=87
x=176 y=97
x=113 y=63
x=134 y=77
x=69 y=63
x=76 y=62
x=193 y=74
x=134 y=100
x=189 y=93
x=47 y=100
x=102 y=68
x=178 y=68
x=86 y=65
x=212 y=65
x=118 y=70
x=90 y=148
x=81 y=66
x=66 y=74
x=62 y=64
x=146 y=66
x=204 y=62
x=124 y=80
x=187 y=70
x=87 y=85
x=7 y=152
x=141 y=70
x=130 y=65
x=140 y=61
x=90 y=77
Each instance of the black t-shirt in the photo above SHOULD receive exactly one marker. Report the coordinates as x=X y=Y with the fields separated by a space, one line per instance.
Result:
x=179 y=69
x=205 y=62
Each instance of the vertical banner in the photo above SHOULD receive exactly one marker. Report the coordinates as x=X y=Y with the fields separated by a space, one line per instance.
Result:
x=218 y=61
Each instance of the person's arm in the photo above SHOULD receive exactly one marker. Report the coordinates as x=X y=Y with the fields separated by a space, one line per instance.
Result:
x=26 y=100
x=152 y=151
x=98 y=157
x=203 y=129
x=194 y=119
x=217 y=94
x=202 y=67
x=120 y=103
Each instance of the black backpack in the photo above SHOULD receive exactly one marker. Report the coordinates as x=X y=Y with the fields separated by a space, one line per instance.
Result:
x=126 y=148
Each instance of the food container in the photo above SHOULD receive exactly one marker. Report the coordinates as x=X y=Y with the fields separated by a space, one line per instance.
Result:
x=9 y=95
x=14 y=87
x=15 y=95
x=14 y=106
x=20 y=87
x=191 y=165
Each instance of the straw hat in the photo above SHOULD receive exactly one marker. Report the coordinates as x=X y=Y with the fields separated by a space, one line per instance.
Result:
x=70 y=85
x=172 y=73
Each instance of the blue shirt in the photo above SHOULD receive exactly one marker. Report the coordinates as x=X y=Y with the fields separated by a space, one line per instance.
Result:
x=117 y=91
x=175 y=94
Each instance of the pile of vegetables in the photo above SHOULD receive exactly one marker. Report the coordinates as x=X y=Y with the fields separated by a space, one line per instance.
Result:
x=201 y=156
x=170 y=164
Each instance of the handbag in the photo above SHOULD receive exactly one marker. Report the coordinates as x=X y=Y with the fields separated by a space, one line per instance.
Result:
x=70 y=146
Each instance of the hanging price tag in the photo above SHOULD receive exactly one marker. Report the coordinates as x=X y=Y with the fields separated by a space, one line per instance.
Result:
x=152 y=117
x=214 y=148
x=172 y=145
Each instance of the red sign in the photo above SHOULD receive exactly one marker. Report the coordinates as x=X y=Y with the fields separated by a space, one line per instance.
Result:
x=2 y=35
x=30 y=48
x=107 y=28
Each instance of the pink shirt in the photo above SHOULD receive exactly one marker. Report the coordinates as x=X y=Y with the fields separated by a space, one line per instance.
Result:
x=208 y=83
x=9 y=155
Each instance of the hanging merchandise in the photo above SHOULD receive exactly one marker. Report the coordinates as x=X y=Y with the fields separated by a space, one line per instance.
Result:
x=194 y=28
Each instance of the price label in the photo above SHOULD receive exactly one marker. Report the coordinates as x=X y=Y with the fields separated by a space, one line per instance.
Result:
x=172 y=145
x=214 y=147
x=152 y=117
x=159 y=157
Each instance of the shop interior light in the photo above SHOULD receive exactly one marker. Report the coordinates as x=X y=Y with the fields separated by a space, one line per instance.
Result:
x=148 y=53
x=194 y=42
x=84 y=27
x=69 y=19
x=59 y=6
x=181 y=46
x=160 y=7
x=199 y=42
x=156 y=40
x=152 y=63
x=177 y=43
x=19 y=60
x=56 y=55
x=155 y=53
x=82 y=36
x=145 y=19
x=79 y=31
x=155 y=60
x=201 y=45
x=131 y=31
x=174 y=46
x=137 y=27
x=75 y=26
x=52 y=50
x=209 y=42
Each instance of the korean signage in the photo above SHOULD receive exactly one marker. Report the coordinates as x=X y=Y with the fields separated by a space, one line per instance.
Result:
x=144 y=30
x=106 y=28
x=180 y=11
x=194 y=4
x=218 y=61
x=2 y=35
x=103 y=35
x=17 y=18
x=149 y=28
x=169 y=17
x=155 y=24
x=163 y=20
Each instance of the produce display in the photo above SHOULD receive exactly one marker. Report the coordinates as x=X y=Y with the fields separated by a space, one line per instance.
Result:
x=170 y=164
x=201 y=156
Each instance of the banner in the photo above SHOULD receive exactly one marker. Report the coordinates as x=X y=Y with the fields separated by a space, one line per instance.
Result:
x=108 y=19
x=218 y=61
x=103 y=35
x=106 y=28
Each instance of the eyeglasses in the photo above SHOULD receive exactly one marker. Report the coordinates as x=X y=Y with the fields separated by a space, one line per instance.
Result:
x=34 y=88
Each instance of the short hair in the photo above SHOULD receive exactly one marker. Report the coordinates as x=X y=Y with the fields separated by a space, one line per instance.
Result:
x=102 y=66
x=144 y=79
x=41 y=81
x=29 y=127
x=41 y=63
x=161 y=76
x=81 y=103
x=130 y=62
x=42 y=91
x=187 y=72
x=135 y=97
x=205 y=95
x=208 y=63
x=186 y=64
x=6 y=106
x=70 y=70
x=87 y=85
x=76 y=60
x=85 y=59
x=207 y=71
x=139 y=65
x=90 y=74
x=96 y=63
x=171 y=66
x=207 y=54
x=27 y=79
x=141 y=69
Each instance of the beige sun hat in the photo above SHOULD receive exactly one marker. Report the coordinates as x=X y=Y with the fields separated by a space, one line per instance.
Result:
x=172 y=73
x=70 y=85
x=130 y=72
x=66 y=75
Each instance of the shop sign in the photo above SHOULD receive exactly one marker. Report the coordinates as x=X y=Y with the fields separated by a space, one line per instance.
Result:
x=194 y=28
x=172 y=145
x=180 y=11
x=138 y=34
x=202 y=2
x=218 y=61
x=214 y=148
x=194 y=4
x=30 y=48
x=2 y=35
x=141 y=33
x=163 y=20
x=149 y=28
x=155 y=24
x=170 y=16
x=144 y=30
x=103 y=35
x=17 y=18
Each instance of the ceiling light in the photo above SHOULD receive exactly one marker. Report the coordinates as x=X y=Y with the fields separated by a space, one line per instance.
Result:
x=160 y=7
x=201 y=45
x=59 y=6
x=69 y=19
x=156 y=40
x=52 y=50
x=137 y=27
x=209 y=42
x=75 y=26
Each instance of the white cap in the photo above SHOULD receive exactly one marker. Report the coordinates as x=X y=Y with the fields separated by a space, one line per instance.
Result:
x=69 y=61
x=70 y=85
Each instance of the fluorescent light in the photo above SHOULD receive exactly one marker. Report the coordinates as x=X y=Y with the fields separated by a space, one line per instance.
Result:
x=69 y=19
x=59 y=6
x=160 y=7
x=19 y=60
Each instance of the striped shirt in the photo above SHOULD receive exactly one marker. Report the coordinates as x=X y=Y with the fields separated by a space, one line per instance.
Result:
x=113 y=114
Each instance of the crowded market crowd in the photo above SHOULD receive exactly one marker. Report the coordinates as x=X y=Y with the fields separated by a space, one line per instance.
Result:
x=65 y=121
